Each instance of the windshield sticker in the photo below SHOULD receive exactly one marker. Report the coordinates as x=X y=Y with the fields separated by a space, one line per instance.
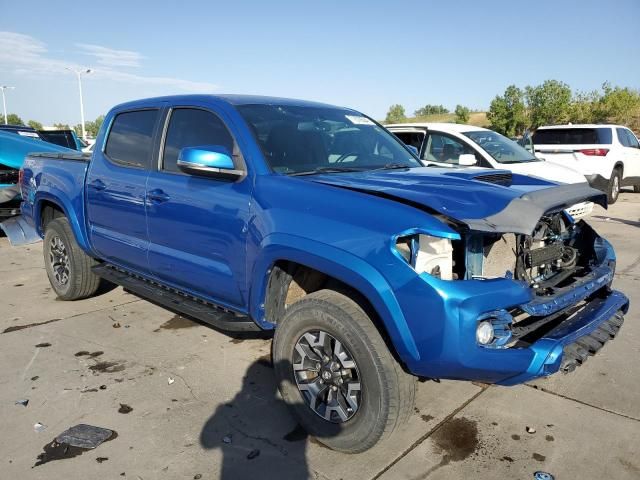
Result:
x=359 y=120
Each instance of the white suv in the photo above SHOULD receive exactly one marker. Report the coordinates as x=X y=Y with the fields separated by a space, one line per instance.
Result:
x=455 y=145
x=607 y=155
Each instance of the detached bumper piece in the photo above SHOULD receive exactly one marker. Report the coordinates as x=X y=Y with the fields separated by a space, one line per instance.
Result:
x=576 y=353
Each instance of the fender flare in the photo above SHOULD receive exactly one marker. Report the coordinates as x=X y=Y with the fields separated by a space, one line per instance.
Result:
x=77 y=226
x=343 y=266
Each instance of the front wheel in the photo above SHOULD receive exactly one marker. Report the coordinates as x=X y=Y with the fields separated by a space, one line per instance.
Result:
x=337 y=375
x=636 y=188
x=67 y=266
x=614 y=187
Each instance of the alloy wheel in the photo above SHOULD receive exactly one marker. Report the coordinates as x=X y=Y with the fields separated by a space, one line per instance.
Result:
x=327 y=376
x=59 y=260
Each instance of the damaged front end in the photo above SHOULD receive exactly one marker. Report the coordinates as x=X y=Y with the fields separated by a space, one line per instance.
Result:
x=562 y=308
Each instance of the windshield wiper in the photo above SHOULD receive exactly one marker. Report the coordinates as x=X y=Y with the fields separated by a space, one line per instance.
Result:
x=325 y=170
x=393 y=166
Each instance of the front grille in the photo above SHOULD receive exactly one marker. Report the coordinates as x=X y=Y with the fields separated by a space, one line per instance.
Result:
x=497 y=178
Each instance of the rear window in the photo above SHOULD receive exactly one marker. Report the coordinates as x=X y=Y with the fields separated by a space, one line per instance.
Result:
x=131 y=138
x=573 y=136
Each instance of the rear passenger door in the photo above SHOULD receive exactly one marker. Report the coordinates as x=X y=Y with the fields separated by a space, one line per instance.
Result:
x=197 y=224
x=116 y=187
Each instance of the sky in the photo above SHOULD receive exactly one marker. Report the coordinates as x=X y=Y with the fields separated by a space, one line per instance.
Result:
x=361 y=54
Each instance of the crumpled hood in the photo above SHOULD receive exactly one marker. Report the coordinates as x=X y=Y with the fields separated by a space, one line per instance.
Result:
x=469 y=196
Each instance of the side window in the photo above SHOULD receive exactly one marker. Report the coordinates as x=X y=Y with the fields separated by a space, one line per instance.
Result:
x=444 y=149
x=622 y=137
x=411 y=138
x=631 y=139
x=131 y=138
x=192 y=127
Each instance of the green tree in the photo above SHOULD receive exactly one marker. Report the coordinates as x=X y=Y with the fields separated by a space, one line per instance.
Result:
x=618 y=105
x=462 y=114
x=549 y=103
x=431 y=110
x=34 y=124
x=507 y=113
x=584 y=107
x=61 y=126
x=12 y=119
x=94 y=127
x=396 y=114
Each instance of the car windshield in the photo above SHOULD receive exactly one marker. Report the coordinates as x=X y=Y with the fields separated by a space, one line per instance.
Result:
x=307 y=140
x=500 y=148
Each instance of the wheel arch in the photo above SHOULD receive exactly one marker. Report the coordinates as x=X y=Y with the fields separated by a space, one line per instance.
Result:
x=281 y=254
x=48 y=207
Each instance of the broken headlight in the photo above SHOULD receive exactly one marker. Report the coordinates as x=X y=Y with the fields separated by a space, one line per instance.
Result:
x=427 y=254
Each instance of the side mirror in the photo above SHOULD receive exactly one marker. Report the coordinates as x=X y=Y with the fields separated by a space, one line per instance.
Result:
x=214 y=160
x=467 y=160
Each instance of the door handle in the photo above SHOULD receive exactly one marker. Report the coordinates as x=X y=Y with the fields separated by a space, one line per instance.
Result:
x=157 y=195
x=97 y=184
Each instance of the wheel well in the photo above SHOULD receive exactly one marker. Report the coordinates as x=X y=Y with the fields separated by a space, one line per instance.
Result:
x=48 y=212
x=290 y=281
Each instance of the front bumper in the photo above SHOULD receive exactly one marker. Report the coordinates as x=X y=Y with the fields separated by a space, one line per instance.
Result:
x=444 y=329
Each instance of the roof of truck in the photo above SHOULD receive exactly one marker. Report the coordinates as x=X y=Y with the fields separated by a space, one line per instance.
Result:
x=228 y=98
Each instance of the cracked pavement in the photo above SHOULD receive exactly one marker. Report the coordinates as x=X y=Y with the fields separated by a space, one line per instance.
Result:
x=205 y=405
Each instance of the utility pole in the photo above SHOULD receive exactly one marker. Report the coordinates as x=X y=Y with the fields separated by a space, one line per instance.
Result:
x=4 y=101
x=79 y=73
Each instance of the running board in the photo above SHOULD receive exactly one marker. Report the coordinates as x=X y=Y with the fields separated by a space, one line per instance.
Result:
x=214 y=315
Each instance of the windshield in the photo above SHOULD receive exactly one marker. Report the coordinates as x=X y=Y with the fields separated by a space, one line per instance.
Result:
x=500 y=148
x=307 y=140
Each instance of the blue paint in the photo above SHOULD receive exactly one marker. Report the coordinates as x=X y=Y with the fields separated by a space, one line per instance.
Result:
x=219 y=238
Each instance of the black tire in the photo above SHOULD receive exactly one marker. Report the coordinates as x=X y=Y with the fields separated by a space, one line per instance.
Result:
x=387 y=393
x=636 y=188
x=67 y=266
x=613 y=191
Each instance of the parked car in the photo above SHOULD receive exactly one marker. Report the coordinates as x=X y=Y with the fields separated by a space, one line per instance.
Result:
x=15 y=143
x=254 y=213
x=607 y=155
x=455 y=145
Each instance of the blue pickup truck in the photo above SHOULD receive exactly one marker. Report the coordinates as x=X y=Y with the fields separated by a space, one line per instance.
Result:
x=253 y=213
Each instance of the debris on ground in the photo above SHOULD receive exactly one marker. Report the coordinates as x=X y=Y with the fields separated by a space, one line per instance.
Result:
x=253 y=454
x=170 y=380
x=23 y=401
x=43 y=345
x=124 y=408
x=38 y=427
x=543 y=476
x=197 y=476
x=75 y=441
x=530 y=430
x=103 y=387
x=116 y=325
x=227 y=439
x=84 y=436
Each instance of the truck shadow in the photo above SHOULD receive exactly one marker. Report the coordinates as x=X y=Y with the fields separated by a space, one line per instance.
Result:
x=632 y=223
x=256 y=434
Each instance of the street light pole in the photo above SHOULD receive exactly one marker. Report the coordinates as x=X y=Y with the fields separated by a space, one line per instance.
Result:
x=4 y=101
x=79 y=74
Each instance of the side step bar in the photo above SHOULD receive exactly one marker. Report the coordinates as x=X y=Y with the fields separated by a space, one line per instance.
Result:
x=214 y=315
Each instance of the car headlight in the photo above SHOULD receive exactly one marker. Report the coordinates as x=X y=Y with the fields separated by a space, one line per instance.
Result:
x=426 y=253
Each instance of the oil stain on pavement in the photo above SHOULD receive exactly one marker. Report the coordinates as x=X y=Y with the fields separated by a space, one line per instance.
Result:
x=176 y=323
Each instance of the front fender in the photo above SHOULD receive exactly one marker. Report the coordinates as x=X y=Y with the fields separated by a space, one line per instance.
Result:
x=341 y=265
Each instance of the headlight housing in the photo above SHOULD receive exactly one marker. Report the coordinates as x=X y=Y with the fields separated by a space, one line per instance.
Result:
x=427 y=254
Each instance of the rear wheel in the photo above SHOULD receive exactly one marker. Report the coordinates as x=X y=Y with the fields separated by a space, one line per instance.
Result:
x=636 y=188
x=67 y=266
x=337 y=374
x=614 y=186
